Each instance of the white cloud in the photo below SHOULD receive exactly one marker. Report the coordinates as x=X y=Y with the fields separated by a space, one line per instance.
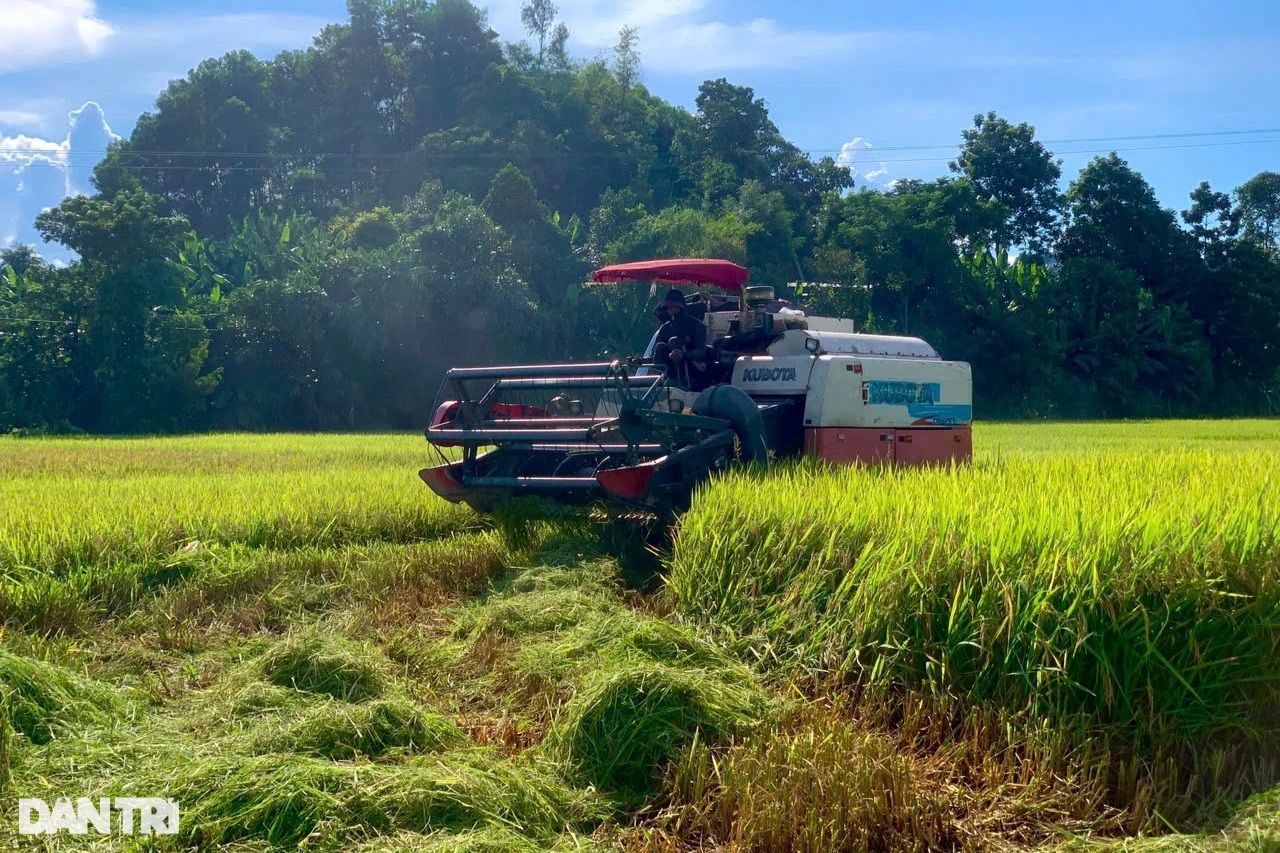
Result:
x=154 y=51
x=22 y=110
x=88 y=137
x=22 y=149
x=38 y=173
x=19 y=118
x=46 y=32
x=595 y=23
x=46 y=153
x=856 y=154
x=201 y=36
x=676 y=38
x=760 y=43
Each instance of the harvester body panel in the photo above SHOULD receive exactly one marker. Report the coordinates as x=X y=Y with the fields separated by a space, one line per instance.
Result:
x=857 y=391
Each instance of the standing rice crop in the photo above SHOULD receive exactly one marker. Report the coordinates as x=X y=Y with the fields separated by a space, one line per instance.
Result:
x=1133 y=593
x=69 y=504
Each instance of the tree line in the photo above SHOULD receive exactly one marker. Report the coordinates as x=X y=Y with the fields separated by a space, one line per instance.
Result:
x=308 y=242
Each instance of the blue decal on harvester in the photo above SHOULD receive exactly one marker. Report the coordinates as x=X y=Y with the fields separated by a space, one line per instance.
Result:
x=881 y=393
x=921 y=400
x=942 y=415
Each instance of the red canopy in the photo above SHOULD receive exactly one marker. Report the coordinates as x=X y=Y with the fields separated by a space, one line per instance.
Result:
x=699 y=271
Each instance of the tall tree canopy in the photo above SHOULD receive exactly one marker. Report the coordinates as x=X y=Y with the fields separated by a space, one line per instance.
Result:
x=1015 y=173
x=1260 y=209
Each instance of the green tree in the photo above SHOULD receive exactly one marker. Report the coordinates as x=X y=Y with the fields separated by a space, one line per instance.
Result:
x=447 y=52
x=1126 y=354
x=268 y=245
x=619 y=211
x=371 y=229
x=459 y=301
x=682 y=232
x=734 y=128
x=1113 y=216
x=21 y=259
x=1213 y=223
x=203 y=149
x=42 y=324
x=904 y=245
x=1259 y=210
x=1240 y=322
x=626 y=57
x=558 y=49
x=148 y=349
x=772 y=243
x=996 y=318
x=537 y=17
x=287 y=358
x=541 y=251
x=733 y=140
x=1009 y=167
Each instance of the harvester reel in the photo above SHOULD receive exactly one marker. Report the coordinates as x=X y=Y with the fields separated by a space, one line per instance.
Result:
x=578 y=434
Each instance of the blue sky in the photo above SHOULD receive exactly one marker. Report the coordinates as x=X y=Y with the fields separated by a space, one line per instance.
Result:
x=872 y=82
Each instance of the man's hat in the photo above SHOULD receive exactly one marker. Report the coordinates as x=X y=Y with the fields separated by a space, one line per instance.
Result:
x=674 y=298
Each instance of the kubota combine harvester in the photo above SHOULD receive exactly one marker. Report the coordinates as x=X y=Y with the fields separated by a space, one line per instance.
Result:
x=774 y=382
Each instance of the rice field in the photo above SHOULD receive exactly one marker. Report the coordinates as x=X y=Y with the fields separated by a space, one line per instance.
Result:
x=1074 y=643
x=1127 y=595
x=67 y=504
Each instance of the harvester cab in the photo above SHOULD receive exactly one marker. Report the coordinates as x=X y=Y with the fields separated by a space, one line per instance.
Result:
x=775 y=381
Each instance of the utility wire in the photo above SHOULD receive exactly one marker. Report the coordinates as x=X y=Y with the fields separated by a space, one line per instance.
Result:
x=1079 y=141
x=1108 y=150
x=18 y=321
x=399 y=155
x=606 y=162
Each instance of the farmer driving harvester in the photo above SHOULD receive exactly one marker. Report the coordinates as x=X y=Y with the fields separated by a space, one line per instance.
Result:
x=681 y=343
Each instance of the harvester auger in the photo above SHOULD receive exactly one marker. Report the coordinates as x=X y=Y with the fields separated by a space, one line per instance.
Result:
x=778 y=382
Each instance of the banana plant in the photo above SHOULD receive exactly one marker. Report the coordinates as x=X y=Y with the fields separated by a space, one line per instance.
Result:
x=201 y=277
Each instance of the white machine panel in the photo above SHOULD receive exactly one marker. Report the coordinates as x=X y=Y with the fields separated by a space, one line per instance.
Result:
x=833 y=343
x=855 y=391
x=884 y=345
x=829 y=324
x=718 y=323
x=767 y=375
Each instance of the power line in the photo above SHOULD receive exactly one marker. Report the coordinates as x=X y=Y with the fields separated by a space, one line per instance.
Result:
x=37 y=320
x=244 y=154
x=579 y=165
x=17 y=321
x=1078 y=141
x=407 y=154
x=1093 y=150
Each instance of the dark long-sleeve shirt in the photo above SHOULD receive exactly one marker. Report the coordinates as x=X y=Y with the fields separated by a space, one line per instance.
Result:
x=691 y=332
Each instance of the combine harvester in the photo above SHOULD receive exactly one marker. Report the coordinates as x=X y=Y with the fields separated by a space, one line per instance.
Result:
x=777 y=383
